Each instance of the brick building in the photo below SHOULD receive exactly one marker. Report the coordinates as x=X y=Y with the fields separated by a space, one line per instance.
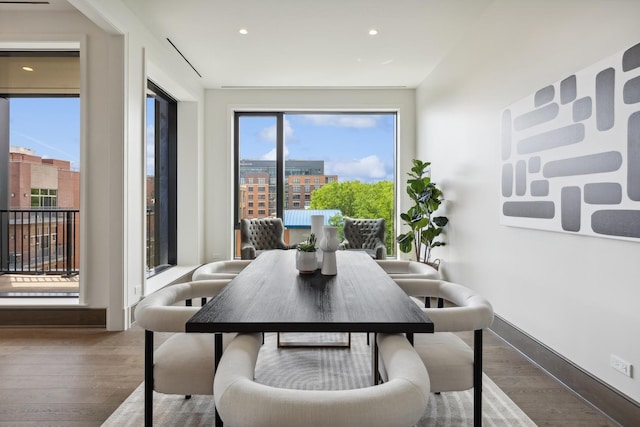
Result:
x=300 y=187
x=43 y=219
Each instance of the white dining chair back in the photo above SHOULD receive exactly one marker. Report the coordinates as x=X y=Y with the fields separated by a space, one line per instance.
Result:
x=242 y=402
x=451 y=363
x=184 y=362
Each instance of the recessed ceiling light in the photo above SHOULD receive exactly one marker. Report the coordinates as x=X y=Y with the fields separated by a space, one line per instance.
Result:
x=27 y=68
x=243 y=31
x=373 y=32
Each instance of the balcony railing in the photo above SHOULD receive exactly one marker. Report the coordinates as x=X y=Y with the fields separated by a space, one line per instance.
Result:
x=40 y=241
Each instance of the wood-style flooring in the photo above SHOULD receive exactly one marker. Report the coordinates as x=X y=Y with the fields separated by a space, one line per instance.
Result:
x=78 y=377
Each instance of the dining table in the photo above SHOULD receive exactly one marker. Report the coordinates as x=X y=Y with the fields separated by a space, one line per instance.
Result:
x=271 y=295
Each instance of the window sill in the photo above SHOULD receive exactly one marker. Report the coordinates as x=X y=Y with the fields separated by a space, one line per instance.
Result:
x=174 y=274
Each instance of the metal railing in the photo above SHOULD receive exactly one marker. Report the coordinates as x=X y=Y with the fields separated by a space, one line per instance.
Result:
x=40 y=241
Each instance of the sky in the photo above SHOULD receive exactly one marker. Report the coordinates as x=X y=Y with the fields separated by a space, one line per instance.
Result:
x=353 y=146
x=49 y=126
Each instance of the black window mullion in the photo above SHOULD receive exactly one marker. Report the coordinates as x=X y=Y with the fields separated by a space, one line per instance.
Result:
x=280 y=165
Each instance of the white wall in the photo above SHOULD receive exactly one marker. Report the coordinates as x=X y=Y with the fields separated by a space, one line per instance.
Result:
x=220 y=105
x=578 y=295
x=118 y=57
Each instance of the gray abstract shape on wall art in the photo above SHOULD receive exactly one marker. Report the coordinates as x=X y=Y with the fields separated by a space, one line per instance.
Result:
x=570 y=200
x=568 y=90
x=541 y=210
x=589 y=164
x=603 y=193
x=544 y=96
x=582 y=109
x=631 y=91
x=507 y=180
x=605 y=96
x=631 y=58
x=622 y=223
x=536 y=117
x=540 y=188
x=567 y=135
x=633 y=157
x=521 y=178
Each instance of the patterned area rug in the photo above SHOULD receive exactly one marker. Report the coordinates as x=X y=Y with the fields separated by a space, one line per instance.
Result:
x=316 y=369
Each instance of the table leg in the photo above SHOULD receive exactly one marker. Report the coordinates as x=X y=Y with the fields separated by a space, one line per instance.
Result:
x=217 y=357
x=375 y=375
x=410 y=338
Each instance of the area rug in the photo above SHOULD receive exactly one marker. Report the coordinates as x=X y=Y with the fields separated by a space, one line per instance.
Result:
x=316 y=369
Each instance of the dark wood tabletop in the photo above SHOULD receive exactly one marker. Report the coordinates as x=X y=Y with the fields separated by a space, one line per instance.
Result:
x=269 y=295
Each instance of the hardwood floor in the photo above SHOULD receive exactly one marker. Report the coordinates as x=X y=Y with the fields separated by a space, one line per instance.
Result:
x=78 y=377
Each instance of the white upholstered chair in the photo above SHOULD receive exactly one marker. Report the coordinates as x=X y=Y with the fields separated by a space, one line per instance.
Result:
x=401 y=401
x=401 y=269
x=451 y=363
x=220 y=270
x=184 y=362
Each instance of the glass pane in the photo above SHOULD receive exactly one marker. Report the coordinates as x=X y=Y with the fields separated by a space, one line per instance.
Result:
x=353 y=155
x=257 y=168
x=150 y=184
x=45 y=135
x=257 y=136
x=161 y=180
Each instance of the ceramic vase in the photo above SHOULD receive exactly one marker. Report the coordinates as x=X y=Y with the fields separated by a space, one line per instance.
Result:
x=317 y=222
x=329 y=246
x=306 y=262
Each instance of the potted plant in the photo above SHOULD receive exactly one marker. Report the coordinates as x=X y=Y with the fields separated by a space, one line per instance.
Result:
x=306 y=261
x=425 y=227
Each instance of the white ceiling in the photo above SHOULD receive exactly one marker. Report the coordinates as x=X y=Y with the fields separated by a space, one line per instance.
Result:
x=308 y=43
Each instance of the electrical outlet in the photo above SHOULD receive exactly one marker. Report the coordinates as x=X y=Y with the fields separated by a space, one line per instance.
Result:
x=137 y=290
x=621 y=365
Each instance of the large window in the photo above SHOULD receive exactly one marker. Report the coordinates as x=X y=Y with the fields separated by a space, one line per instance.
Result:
x=343 y=163
x=161 y=180
x=40 y=168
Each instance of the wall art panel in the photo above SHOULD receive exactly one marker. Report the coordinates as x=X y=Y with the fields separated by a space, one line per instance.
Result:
x=571 y=153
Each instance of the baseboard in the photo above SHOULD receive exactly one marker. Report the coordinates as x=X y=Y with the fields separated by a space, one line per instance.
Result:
x=609 y=401
x=53 y=317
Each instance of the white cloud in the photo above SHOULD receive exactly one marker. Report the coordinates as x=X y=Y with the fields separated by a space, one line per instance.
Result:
x=271 y=155
x=343 y=120
x=269 y=133
x=367 y=169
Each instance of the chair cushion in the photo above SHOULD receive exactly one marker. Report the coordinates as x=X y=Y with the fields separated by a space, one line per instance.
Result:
x=448 y=359
x=183 y=364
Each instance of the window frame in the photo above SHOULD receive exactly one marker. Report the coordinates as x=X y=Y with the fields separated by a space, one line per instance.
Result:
x=165 y=231
x=282 y=185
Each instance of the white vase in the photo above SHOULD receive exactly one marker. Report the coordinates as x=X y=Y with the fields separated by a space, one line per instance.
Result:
x=329 y=246
x=317 y=222
x=306 y=262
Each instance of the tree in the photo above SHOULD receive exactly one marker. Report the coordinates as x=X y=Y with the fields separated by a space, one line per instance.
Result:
x=359 y=200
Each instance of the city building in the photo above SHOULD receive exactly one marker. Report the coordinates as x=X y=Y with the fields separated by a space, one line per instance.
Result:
x=300 y=187
x=43 y=221
x=258 y=179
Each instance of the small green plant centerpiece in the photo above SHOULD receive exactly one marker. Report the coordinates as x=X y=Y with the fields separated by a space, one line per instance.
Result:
x=306 y=261
x=425 y=226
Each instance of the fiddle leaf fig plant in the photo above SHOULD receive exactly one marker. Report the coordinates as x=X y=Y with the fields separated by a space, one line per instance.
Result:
x=425 y=226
